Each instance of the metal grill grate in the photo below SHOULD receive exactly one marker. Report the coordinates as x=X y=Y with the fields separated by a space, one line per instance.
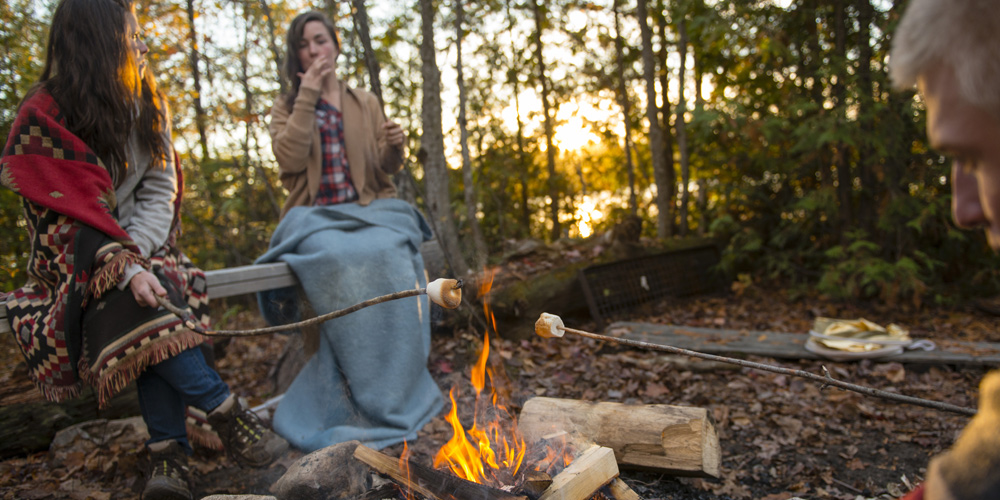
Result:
x=618 y=287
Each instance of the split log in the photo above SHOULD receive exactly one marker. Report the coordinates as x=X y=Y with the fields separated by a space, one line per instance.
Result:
x=427 y=481
x=588 y=472
x=675 y=440
x=620 y=491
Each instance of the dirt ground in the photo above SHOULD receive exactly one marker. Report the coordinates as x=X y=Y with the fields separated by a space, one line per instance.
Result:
x=781 y=437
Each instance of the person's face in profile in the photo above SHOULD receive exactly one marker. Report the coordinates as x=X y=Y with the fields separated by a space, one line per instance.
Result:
x=970 y=135
x=136 y=46
x=317 y=44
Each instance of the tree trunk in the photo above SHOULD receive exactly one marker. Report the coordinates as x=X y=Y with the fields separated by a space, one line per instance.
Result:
x=550 y=148
x=682 y=143
x=623 y=101
x=194 y=61
x=841 y=160
x=468 y=185
x=670 y=175
x=867 y=209
x=432 y=144
x=272 y=43
x=652 y=115
x=360 y=17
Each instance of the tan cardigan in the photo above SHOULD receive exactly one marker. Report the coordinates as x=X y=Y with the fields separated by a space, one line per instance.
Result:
x=295 y=142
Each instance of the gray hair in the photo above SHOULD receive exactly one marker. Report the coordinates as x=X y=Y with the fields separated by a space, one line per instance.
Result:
x=964 y=34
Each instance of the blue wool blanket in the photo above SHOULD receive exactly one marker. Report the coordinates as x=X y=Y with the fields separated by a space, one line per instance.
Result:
x=369 y=379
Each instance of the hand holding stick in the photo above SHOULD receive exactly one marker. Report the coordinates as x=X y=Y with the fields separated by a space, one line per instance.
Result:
x=550 y=325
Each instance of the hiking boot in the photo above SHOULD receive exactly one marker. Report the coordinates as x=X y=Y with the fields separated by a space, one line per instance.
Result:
x=168 y=473
x=246 y=439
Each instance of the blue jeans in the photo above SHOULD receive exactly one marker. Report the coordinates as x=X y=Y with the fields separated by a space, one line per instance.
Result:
x=167 y=388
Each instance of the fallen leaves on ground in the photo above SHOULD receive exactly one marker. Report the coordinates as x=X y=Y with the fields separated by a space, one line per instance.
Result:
x=782 y=437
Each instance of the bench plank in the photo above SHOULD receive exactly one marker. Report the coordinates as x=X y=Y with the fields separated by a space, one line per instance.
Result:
x=790 y=345
x=227 y=282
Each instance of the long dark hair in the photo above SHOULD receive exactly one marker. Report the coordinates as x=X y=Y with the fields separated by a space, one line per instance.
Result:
x=91 y=73
x=293 y=65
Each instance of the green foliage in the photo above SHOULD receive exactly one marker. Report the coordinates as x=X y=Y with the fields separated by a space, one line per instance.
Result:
x=857 y=271
x=814 y=174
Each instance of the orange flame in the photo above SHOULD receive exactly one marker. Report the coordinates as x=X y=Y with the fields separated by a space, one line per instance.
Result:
x=404 y=464
x=499 y=449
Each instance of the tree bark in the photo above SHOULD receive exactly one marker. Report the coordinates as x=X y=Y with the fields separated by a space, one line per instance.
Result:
x=623 y=101
x=360 y=17
x=272 y=43
x=432 y=146
x=656 y=146
x=194 y=61
x=670 y=178
x=524 y=228
x=845 y=186
x=468 y=185
x=550 y=148
x=682 y=143
x=867 y=211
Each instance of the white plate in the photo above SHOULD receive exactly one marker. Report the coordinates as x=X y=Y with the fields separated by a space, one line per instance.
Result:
x=838 y=355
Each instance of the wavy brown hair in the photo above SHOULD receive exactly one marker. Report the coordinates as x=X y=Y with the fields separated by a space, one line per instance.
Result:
x=91 y=73
x=293 y=65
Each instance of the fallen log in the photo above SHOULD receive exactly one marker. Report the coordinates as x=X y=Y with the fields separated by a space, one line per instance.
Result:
x=28 y=427
x=675 y=440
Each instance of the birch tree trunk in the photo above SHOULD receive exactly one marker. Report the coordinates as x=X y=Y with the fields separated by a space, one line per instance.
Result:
x=468 y=186
x=656 y=146
x=432 y=143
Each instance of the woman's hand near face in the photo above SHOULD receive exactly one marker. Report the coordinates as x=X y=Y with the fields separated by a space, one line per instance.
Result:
x=394 y=134
x=145 y=287
x=318 y=70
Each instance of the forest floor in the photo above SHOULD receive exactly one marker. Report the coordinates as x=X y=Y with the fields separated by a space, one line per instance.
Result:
x=781 y=437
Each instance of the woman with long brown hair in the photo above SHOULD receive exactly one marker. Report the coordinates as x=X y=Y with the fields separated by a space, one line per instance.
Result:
x=91 y=156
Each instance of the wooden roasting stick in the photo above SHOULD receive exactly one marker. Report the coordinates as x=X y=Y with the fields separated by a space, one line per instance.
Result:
x=551 y=325
x=446 y=293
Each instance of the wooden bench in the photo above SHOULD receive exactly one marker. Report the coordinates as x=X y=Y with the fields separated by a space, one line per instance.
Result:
x=228 y=282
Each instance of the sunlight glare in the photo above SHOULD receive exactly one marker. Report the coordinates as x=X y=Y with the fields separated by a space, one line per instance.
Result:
x=574 y=135
x=588 y=215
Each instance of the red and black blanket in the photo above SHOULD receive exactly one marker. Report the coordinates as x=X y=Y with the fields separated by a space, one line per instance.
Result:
x=71 y=321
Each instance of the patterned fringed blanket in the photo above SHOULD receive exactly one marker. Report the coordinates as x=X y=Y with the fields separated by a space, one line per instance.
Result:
x=72 y=323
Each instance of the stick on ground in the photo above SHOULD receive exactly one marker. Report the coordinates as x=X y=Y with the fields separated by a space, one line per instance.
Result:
x=546 y=323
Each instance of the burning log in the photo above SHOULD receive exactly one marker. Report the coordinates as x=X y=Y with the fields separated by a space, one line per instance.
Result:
x=675 y=440
x=588 y=472
x=427 y=481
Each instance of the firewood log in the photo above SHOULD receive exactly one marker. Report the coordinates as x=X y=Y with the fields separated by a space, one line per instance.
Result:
x=674 y=440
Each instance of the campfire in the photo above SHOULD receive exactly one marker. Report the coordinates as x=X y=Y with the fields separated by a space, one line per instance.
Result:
x=553 y=456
